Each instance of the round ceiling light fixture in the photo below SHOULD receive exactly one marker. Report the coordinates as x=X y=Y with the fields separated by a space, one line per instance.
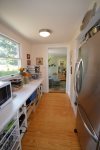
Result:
x=44 y=32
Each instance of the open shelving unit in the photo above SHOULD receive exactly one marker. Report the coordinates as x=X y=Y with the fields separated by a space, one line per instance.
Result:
x=15 y=116
x=9 y=136
x=27 y=108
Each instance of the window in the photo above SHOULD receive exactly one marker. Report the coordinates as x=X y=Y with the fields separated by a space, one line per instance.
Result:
x=9 y=56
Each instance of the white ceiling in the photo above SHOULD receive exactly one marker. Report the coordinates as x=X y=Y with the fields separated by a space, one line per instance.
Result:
x=28 y=16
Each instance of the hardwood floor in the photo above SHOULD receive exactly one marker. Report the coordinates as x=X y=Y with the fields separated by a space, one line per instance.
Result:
x=51 y=126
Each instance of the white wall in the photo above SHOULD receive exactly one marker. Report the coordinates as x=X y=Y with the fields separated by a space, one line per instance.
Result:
x=42 y=51
x=74 y=55
x=25 y=45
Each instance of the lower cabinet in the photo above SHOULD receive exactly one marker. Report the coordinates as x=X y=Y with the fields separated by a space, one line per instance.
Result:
x=33 y=101
x=39 y=94
x=30 y=103
x=22 y=117
x=10 y=136
x=12 y=133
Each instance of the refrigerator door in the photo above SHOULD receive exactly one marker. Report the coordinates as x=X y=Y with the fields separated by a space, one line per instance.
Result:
x=89 y=89
x=87 y=136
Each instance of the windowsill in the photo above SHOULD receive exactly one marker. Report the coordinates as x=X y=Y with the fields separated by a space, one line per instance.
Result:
x=9 y=77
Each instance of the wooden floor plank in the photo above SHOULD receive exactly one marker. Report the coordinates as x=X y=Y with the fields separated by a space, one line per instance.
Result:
x=51 y=126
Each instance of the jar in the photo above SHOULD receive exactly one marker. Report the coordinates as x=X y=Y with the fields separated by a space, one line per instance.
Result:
x=26 y=80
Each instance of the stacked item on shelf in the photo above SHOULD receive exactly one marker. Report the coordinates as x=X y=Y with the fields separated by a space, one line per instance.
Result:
x=85 y=34
x=34 y=71
x=17 y=83
x=93 y=30
x=22 y=120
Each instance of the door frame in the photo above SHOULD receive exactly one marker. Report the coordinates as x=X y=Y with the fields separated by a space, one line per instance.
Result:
x=68 y=77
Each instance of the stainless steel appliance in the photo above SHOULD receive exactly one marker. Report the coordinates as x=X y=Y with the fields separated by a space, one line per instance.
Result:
x=5 y=93
x=87 y=88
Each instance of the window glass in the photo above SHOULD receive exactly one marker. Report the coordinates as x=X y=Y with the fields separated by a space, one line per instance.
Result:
x=9 y=56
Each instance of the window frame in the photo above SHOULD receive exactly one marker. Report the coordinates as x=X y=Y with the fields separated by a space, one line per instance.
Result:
x=19 y=58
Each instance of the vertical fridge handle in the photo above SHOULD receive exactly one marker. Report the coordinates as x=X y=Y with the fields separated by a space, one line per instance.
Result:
x=75 y=74
x=98 y=144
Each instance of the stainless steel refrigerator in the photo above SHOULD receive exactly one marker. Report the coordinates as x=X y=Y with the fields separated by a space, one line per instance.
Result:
x=87 y=87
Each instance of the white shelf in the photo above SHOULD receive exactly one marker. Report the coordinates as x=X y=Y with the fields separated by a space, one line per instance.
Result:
x=23 y=132
x=10 y=137
x=2 y=148
x=92 y=22
x=23 y=127
x=16 y=146
x=16 y=143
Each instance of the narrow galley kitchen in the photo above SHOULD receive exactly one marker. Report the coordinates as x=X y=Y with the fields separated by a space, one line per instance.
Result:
x=52 y=125
x=49 y=101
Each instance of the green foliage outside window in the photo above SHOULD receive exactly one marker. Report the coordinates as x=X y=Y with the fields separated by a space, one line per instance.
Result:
x=9 y=56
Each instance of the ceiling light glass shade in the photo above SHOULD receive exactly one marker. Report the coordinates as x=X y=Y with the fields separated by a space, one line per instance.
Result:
x=44 y=32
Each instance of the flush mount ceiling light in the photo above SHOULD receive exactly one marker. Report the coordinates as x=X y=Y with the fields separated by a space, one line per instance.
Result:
x=44 y=32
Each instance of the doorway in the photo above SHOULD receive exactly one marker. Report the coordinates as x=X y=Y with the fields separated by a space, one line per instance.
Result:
x=57 y=66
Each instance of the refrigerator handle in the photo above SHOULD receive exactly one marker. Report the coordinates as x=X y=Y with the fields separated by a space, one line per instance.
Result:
x=98 y=144
x=92 y=134
x=75 y=74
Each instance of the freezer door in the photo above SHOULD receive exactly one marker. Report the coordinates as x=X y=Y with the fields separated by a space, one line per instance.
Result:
x=87 y=136
x=89 y=93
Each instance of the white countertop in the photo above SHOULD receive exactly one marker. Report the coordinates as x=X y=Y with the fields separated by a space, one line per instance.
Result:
x=22 y=95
